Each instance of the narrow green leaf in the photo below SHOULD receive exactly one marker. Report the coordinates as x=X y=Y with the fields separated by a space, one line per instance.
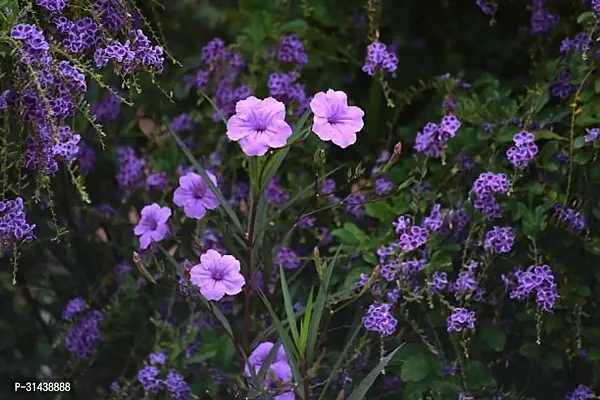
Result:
x=319 y=306
x=214 y=106
x=549 y=135
x=289 y=308
x=305 y=323
x=290 y=350
x=224 y=203
x=364 y=386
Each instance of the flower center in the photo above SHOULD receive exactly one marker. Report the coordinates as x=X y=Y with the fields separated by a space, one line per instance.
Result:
x=217 y=275
x=153 y=224
x=200 y=191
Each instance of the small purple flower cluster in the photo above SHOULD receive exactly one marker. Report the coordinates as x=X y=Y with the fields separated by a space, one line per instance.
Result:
x=411 y=237
x=182 y=123
x=148 y=377
x=108 y=108
x=73 y=308
x=380 y=319
x=291 y=50
x=283 y=87
x=571 y=218
x=355 y=205
x=14 y=228
x=579 y=43
x=378 y=55
x=285 y=258
x=131 y=55
x=563 y=88
x=484 y=188
x=82 y=336
x=224 y=68
x=460 y=319
x=432 y=139
x=592 y=135
x=87 y=158
x=275 y=194
x=157 y=182
x=541 y=20
x=583 y=392
x=131 y=169
x=538 y=280
x=177 y=386
x=383 y=186
x=499 y=240
x=523 y=151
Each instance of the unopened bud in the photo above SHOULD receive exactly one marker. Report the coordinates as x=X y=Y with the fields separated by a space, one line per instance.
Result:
x=396 y=153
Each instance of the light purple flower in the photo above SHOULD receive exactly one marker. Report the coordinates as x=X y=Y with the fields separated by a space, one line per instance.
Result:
x=217 y=275
x=194 y=195
x=280 y=366
x=259 y=125
x=153 y=224
x=334 y=120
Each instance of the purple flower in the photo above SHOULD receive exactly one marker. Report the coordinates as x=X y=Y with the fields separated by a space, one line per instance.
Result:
x=581 y=392
x=177 y=386
x=280 y=368
x=148 y=377
x=380 y=319
x=194 y=195
x=153 y=224
x=460 y=319
x=592 y=135
x=157 y=358
x=499 y=240
x=73 y=308
x=334 y=120
x=285 y=258
x=217 y=275
x=259 y=125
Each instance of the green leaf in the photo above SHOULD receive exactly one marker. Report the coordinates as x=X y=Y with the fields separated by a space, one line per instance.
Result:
x=382 y=211
x=298 y=26
x=344 y=236
x=355 y=231
x=305 y=324
x=493 y=336
x=416 y=368
x=224 y=203
x=542 y=100
x=289 y=308
x=585 y=16
x=582 y=158
x=369 y=257
x=319 y=306
x=579 y=142
x=363 y=387
x=549 y=135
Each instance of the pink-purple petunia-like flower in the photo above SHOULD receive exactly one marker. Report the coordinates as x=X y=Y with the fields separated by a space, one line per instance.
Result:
x=153 y=224
x=217 y=275
x=194 y=195
x=334 y=119
x=259 y=125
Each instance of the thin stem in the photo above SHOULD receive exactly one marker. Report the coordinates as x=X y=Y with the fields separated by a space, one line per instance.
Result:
x=249 y=271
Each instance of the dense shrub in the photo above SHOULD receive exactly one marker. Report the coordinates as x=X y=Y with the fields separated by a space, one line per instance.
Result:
x=361 y=199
